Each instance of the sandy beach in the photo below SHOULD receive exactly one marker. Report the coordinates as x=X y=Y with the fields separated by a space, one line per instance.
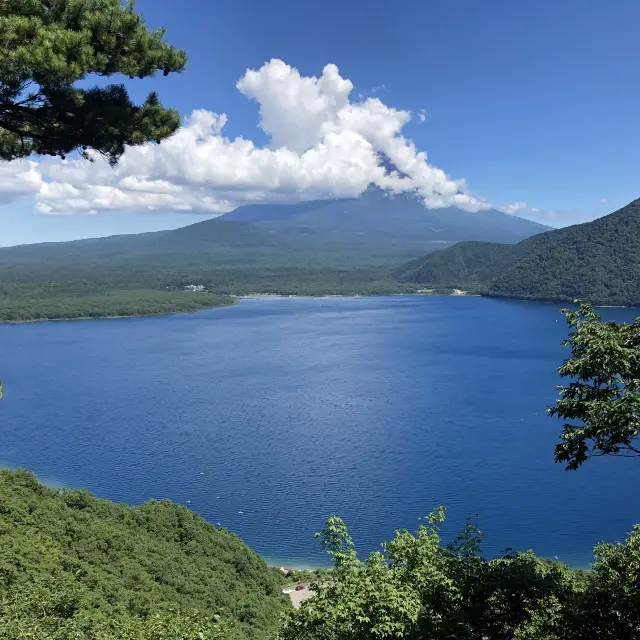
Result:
x=297 y=597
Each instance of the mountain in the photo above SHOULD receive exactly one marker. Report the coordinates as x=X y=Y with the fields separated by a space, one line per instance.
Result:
x=598 y=261
x=377 y=214
x=201 y=236
x=372 y=230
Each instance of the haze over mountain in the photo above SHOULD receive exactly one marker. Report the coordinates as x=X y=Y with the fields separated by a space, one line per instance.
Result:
x=379 y=214
x=598 y=261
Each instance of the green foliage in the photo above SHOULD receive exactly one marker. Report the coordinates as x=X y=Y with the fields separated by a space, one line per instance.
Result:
x=610 y=608
x=597 y=261
x=602 y=400
x=74 y=566
x=47 y=46
x=420 y=589
x=416 y=588
x=304 y=575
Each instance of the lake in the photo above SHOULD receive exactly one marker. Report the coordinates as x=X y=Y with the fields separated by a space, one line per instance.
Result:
x=376 y=409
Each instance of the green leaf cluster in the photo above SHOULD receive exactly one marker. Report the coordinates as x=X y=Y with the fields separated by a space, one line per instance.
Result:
x=602 y=399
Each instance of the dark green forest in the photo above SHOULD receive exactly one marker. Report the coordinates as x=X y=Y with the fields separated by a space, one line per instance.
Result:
x=47 y=294
x=28 y=308
x=597 y=261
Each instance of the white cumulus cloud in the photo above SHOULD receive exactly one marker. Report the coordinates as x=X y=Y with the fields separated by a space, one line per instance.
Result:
x=18 y=178
x=322 y=144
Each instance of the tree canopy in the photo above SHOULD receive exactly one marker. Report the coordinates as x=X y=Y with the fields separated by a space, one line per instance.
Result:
x=47 y=47
x=601 y=403
x=73 y=566
x=418 y=588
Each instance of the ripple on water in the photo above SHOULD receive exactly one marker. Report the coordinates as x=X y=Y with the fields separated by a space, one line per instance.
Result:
x=376 y=409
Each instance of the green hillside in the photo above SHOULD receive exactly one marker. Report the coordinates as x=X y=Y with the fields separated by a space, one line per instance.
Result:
x=74 y=566
x=466 y=264
x=598 y=261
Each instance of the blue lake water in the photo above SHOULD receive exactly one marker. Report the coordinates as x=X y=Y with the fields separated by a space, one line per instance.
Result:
x=376 y=409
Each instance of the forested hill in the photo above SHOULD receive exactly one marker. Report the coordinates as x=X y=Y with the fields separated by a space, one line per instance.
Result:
x=598 y=261
x=74 y=566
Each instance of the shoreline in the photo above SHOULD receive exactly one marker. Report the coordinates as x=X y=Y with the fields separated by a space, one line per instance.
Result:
x=236 y=298
x=137 y=315
x=233 y=301
x=289 y=567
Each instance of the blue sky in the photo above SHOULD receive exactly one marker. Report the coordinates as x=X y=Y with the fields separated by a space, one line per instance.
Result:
x=528 y=102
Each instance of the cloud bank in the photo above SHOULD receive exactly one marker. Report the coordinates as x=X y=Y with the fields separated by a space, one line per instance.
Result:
x=322 y=144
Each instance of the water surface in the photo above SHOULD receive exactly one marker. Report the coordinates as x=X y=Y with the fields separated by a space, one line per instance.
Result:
x=376 y=409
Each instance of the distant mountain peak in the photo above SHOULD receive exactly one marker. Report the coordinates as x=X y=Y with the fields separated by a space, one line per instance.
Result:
x=389 y=217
